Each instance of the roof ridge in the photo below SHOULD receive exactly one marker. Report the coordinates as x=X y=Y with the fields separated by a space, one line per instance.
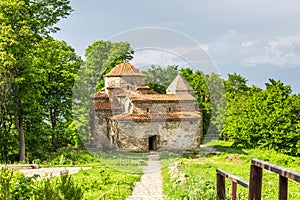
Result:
x=179 y=83
x=124 y=69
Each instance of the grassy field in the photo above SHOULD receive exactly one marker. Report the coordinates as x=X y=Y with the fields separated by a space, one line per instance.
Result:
x=199 y=173
x=188 y=176
x=112 y=176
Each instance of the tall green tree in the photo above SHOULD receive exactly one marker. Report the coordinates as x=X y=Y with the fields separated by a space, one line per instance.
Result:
x=23 y=24
x=197 y=81
x=101 y=57
x=59 y=65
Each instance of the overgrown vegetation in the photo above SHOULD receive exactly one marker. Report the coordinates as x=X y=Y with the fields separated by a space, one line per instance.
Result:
x=200 y=182
x=14 y=185
x=111 y=177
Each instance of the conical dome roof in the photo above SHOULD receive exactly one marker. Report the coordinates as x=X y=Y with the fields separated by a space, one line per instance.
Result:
x=179 y=85
x=124 y=69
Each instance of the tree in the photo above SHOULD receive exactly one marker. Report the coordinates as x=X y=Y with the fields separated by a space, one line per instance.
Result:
x=235 y=83
x=23 y=24
x=159 y=78
x=266 y=118
x=101 y=57
x=59 y=64
x=198 y=83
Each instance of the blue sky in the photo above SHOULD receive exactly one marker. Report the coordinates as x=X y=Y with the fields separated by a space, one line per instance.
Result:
x=259 y=39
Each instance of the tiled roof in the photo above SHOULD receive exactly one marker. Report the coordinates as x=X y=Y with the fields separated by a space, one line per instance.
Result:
x=105 y=106
x=163 y=97
x=179 y=84
x=124 y=69
x=99 y=95
x=156 y=116
x=143 y=89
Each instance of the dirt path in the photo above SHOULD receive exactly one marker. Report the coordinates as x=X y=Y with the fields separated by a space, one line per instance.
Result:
x=150 y=186
x=55 y=171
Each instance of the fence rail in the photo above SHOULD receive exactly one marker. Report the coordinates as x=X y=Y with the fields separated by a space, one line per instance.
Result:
x=221 y=175
x=255 y=185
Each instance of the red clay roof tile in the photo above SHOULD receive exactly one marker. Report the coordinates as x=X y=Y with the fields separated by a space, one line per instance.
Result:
x=105 y=106
x=156 y=116
x=163 y=97
x=99 y=95
x=124 y=69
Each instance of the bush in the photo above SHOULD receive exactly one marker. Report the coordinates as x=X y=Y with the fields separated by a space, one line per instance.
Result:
x=14 y=185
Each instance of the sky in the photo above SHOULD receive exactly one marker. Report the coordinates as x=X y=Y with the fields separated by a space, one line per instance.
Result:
x=258 y=39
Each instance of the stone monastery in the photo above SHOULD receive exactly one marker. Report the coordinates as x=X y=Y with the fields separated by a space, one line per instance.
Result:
x=131 y=117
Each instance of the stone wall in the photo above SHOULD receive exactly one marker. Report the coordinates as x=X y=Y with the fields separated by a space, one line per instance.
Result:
x=166 y=106
x=177 y=134
x=132 y=82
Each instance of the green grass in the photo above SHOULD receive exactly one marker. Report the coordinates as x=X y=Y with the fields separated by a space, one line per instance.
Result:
x=106 y=183
x=201 y=171
x=112 y=176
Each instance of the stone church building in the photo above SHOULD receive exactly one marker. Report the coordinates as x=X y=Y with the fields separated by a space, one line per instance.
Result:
x=129 y=116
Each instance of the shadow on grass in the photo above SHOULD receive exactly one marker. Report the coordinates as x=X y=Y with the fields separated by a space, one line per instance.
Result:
x=228 y=149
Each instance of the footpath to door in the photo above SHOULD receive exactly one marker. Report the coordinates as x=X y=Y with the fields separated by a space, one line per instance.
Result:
x=150 y=186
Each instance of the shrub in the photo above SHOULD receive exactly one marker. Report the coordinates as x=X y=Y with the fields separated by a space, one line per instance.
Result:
x=14 y=185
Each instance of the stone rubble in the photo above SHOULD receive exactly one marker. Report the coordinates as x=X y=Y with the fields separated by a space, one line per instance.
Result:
x=176 y=173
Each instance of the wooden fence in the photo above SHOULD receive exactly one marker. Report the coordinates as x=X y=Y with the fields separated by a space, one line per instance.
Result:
x=255 y=185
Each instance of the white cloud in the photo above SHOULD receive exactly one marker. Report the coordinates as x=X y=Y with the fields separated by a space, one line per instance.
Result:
x=147 y=57
x=246 y=43
x=280 y=52
x=236 y=49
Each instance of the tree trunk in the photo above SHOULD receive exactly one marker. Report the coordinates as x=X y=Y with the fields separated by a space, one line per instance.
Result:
x=55 y=143
x=19 y=125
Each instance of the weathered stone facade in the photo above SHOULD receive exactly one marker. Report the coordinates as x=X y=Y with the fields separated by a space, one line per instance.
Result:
x=130 y=116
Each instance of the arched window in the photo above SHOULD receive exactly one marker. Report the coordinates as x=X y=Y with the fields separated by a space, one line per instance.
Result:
x=147 y=109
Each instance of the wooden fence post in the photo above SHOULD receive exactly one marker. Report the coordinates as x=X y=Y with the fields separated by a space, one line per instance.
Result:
x=233 y=191
x=283 y=188
x=220 y=187
x=255 y=183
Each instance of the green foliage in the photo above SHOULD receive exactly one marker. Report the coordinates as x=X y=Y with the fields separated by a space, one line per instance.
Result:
x=103 y=181
x=23 y=24
x=6 y=180
x=209 y=91
x=15 y=185
x=68 y=157
x=101 y=57
x=264 y=118
x=159 y=78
